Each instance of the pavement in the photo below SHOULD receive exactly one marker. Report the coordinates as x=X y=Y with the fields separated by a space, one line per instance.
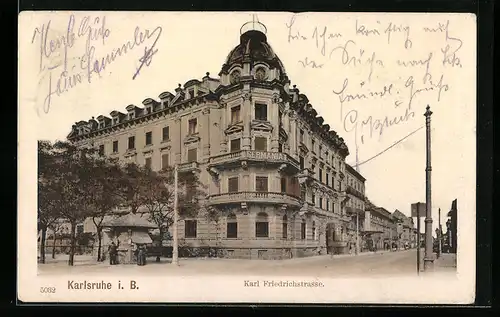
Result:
x=382 y=263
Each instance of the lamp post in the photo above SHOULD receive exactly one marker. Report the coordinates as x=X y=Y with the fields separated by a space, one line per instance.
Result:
x=428 y=258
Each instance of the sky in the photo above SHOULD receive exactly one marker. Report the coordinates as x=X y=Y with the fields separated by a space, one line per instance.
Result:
x=359 y=71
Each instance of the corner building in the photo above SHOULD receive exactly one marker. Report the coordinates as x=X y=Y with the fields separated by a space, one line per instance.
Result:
x=272 y=167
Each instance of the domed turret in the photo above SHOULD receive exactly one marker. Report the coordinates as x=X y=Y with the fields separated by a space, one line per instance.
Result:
x=253 y=49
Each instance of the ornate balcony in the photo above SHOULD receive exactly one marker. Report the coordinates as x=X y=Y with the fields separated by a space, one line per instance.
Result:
x=255 y=197
x=189 y=167
x=246 y=157
x=355 y=193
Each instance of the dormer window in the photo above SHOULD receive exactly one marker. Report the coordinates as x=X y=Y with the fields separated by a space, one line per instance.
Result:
x=115 y=120
x=260 y=112
x=101 y=125
x=191 y=93
x=131 y=115
x=260 y=74
x=148 y=110
x=193 y=126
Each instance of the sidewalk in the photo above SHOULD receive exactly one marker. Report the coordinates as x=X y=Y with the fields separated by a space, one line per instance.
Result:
x=446 y=262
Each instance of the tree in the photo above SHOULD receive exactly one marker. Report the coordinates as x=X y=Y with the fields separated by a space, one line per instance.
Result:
x=103 y=193
x=154 y=192
x=48 y=210
x=71 y=179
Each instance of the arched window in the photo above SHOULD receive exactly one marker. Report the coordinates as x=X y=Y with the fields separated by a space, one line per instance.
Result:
x=303 y=229
x=232 y=226
x=314 y=230
x=285 y=227
x=262 y=225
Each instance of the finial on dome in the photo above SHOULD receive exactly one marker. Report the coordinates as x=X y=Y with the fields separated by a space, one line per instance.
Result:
x=208 y=74
x=253 y=25
x=179 y=85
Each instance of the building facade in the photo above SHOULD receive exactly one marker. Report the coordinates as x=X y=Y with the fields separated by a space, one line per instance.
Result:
x=355 y=206
x=273 y=168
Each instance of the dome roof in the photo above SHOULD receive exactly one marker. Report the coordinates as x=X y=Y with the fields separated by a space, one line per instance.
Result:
x=254 y=46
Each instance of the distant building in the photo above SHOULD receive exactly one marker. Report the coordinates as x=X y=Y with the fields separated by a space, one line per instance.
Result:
x=355 y=206
x=404 y=225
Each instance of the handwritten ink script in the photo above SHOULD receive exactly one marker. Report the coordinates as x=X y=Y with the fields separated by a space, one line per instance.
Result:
x=383 y=73
x=81 y=54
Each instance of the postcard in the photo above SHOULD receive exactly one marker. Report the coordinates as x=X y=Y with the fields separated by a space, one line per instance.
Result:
x=247 y=157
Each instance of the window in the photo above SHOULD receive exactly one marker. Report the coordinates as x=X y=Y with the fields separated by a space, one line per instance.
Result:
x=232 y=226
x=261 y=225
x=101 y=126
x=148 y=110
x=327 y=179
x=301 y=161
x=260 y=144
x=333 y=181
x=232 y=185
x=191 y=93
x=115 y=120
x=303 y=229
x=320 y=174
x=149 y=138
x=79 y=229
x=115 y=146
x=261 y=183
x=260 y=112
x=235 y=145
x=131 y=115
x=314 y=230
x=328 y=205
x=131 y=143
x=164 y=160
x=340 y=185
x=280 y=147
x=190 y=227
x=192 y=155
x=301 y=136
x=283 y=185
x=101 y=149
x=147 y=162
x=313 y=144
x=235 y=114
x=320 y=150
x=313 y=199
x=166 y=134
x=321 y=202
x=285 y=227
x=193 y=126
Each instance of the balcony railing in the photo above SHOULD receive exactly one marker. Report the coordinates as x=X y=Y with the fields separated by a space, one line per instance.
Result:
x=355 y=192
x=255 y=197
x=188 y=167
x=255 y=156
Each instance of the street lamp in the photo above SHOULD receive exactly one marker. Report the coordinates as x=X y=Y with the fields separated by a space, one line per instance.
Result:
x=428 y=259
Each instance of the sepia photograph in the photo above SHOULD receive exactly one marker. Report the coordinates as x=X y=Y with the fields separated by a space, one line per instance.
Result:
x=247 y=157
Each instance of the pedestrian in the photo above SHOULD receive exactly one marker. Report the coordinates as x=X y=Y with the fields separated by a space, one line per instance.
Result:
x=113 y=250
x=141 y=255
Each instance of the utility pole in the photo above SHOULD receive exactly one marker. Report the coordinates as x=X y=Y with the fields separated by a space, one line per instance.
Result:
x=175 y=247
x=428 y=258
x=439 y=234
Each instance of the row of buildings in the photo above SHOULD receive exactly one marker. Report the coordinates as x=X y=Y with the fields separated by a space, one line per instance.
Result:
x=272 y=166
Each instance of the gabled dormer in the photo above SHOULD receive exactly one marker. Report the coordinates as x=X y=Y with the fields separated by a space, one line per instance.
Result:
x=150 y=106
x=103 y=121
x=179 y=94
x=166 y=99
x=117 y=117
x=132 y=112
x=93 y=124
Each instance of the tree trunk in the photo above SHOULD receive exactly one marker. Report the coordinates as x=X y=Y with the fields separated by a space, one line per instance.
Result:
x=99 y=244
x=42 y=245
x=54 y=246
x=161 y=245
x=72 y=247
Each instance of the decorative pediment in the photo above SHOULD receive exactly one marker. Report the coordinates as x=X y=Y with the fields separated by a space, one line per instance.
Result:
x=192 y=138
x=262 y=126
x=147 y=151
x=165 y=148
x=234 y=128
x=303 y=148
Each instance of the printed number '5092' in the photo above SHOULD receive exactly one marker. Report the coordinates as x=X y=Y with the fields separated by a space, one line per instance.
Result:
x=47 y=289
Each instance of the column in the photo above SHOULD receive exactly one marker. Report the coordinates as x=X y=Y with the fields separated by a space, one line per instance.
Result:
x=205 y=135
x=247 y=118
x=274 y=114
x=292 y=135
x=222 y=127
x=178 y=137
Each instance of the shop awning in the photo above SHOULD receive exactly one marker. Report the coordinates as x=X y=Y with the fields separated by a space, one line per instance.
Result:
x=141 y=237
